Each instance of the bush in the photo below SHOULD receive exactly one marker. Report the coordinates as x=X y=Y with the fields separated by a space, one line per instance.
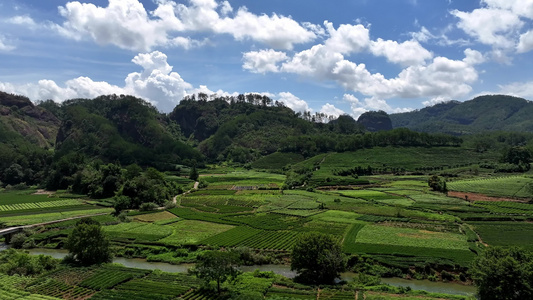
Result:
x=148 y=206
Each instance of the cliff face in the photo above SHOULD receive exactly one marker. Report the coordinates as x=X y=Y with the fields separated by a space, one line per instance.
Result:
x=36 y=124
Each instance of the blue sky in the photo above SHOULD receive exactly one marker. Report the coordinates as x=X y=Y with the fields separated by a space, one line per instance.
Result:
x=325 y=56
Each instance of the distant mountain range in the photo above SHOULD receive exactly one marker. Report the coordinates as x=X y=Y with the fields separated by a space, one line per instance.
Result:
x=484 y=113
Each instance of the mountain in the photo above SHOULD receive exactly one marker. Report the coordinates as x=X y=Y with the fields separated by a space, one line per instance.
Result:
x=34 y=123
x=124 y=129
x=375 y=121
x=484 y=113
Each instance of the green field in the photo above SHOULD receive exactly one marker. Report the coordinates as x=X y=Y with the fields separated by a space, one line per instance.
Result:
x=508 y=186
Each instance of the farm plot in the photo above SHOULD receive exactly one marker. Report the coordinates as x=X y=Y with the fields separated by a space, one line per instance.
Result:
x=511 y=186
x=55 y=288
x=41 y=218
x=109 y=276
x=277 y=240
x=155 y=217
x=154 y=288
x=505 y=233
x=507 y=208
x=371 y=195
x=39 y=205
x=269 y=221
x=385 y=235
x=246 y=178
x=232 y=237
x=351 y=237
x=15 y=294
x=192 y=232
x=137 y=231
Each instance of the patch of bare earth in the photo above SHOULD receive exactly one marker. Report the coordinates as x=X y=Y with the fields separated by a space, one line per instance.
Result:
x=43 y=192
x=481 y=197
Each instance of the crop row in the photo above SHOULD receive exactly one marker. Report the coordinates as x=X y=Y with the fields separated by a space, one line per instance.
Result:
x=106 y=279
x=149 y=287
x=59 y=289
x=35 y=205
x=199 y=295
x=231 y=237
x=279 y=240
x=126 y=295
x=351 y=236
x=13 y=294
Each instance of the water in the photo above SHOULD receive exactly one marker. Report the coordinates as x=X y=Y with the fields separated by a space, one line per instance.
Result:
x=284 y=270
x=3 y=246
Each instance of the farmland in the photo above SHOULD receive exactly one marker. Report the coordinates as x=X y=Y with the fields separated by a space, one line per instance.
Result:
x=387 y=223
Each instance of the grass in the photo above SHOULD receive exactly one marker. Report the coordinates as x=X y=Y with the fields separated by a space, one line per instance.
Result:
x=505 y=233
x=387 y=235
x=277 y=160
x=508 y=186
x=46 y=217
x=189 y=232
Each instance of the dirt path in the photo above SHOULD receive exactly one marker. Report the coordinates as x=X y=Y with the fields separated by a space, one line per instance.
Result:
x=50 y=222
x=481 y=197
x=195 y=187
x=478 y=236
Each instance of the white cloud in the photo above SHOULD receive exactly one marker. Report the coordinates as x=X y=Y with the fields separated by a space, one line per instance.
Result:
x=315 y=62
x=519 y=89
x=331 y=110
x=473 y=57
x=276 y=31
x=293 y=102
x=407 y=53
x=522 y=8
x=4 y=45
x=263 y=61
x=156 y=83
x=347 y=38
x=371 y=103
x=21 y=20
x=526 y=42
x=128 y=25
x=490 y=26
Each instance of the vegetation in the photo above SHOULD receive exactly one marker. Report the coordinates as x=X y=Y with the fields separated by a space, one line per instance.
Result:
x=504 y=274
x=216 y=266
x=87 y=244
x=317 y=258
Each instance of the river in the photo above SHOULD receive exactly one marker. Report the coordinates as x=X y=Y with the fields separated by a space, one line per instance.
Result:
x=284 y=270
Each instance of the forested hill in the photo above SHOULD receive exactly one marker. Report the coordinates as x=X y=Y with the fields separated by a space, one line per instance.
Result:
x=484 y=113
x=123 y=129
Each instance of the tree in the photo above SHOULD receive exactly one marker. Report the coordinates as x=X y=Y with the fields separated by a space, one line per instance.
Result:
x=217 y=266
x=193 y=175
x=437 y=184
x=317 y=258
x=504 y=274
x=87 y=244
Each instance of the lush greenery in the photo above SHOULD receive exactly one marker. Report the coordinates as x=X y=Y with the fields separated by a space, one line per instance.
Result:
x=504 y=274
x=87 y=243
x=317 y=258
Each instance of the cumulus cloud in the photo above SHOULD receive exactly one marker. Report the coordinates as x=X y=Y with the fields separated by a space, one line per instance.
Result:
x=157 y=83
x=331 y=110
x=371 y=103
x=128 y=25
x=347 y=38
x=263 y=61
x=293 y=102
x=407 y=53
x=490 y=26
x=526 y=42
x=500 y=23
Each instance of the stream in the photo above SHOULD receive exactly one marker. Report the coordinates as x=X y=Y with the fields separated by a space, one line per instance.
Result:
x=284 y=270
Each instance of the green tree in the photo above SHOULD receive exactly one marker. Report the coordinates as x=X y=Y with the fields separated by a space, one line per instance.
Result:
x=193 y=175
x=504 y=274
x=437 y=184
x=317 y=258
x=87 y=244
x=217 y=266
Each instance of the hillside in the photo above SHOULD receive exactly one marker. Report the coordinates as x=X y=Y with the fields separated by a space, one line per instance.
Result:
x=484 y=113
x=124 y=129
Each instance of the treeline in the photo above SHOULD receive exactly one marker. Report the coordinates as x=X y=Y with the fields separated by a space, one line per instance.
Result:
x=311 y=145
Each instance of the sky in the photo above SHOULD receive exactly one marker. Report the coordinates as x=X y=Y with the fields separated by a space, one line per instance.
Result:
x=335 y=57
